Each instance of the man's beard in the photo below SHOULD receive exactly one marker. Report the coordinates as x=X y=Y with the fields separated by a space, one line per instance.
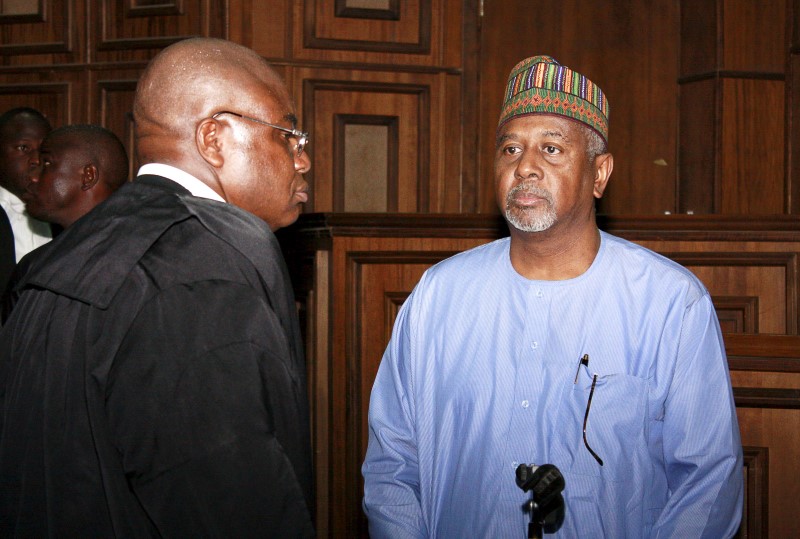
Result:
x=530 y=219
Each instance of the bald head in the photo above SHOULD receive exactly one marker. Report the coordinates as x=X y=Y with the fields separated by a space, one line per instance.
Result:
x=190 y=81
x=78 y=167
x=218 y=111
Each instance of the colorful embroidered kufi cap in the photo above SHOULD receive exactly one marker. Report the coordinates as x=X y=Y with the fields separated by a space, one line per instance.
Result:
x=540 y=84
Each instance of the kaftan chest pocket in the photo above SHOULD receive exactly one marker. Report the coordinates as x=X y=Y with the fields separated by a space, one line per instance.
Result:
x=601 y=426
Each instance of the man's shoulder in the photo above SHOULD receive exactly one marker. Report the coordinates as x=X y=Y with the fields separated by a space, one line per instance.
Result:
x=91 y=259
x=629 y=257
x=474 y=260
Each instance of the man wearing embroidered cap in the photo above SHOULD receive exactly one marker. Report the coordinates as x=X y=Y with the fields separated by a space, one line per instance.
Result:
x=559 y=345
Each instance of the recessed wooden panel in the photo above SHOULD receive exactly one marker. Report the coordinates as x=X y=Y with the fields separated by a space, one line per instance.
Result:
x=770 y=277
x=753 y=152
x=334 y=25
x=19 y=10
x=793 y=129
x=51 y=99
x=737 y=314
x=324 y=101
x=151 y=8
x=745 y=24
x=420 y=33
x=777 y=429
x=114 y=111
x=369 y=9
x=427 y=108
x=697 y=179
x=755 y=523
x=36 y=27
x=366 y=163
x=129 y=25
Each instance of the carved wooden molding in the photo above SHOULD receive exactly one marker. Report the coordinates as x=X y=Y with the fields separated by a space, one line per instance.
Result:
x=422 y=46
x=44 y=17
x=38 y=15
x=739 y=311
x=390 y=14
x=341 y=121
x=785 y=260
x=423 y=121
x=765 y=353
x=762 y=397
x=135 y=9
x=212 y=22
x=755 y=514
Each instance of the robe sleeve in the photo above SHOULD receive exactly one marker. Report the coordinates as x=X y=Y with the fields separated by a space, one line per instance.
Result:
x=198 y=402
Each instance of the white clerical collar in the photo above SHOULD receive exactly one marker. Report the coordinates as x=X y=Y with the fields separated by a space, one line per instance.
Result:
x=183 y=178
x=11 y=201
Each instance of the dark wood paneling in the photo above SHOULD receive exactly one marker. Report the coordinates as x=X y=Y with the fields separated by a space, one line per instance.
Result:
x=129 y=30
x=325 y=100
x=755 y=523
x=416 y=33
x=50 y=31
x=630 y=50
x=403 y=28
x=752 y=169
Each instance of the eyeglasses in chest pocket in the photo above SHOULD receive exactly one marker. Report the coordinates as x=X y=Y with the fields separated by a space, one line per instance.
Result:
x=601 y=424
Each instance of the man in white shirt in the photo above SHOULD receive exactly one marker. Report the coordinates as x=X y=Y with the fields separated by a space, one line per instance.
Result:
x=21 y=132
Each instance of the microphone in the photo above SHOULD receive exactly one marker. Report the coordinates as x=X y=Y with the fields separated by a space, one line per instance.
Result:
x=546 y=505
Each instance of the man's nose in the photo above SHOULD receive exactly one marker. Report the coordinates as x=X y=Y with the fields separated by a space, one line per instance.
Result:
x=34 y=158
x=302 y=163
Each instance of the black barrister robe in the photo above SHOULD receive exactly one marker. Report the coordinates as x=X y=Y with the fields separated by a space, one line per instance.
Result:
x=152 y=379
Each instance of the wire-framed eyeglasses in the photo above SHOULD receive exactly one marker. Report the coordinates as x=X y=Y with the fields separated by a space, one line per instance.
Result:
x=300 y=136
x=585 y=362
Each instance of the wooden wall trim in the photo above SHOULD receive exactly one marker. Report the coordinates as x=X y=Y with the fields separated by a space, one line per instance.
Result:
x=760 y=397
x=422 y=46
x=755 y=519
x=777 y=228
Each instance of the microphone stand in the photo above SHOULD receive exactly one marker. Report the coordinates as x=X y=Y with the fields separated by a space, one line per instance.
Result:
x=535 y=525
x=546 y=505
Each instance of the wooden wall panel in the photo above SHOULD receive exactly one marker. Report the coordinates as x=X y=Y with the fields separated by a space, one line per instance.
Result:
x=52 y=98
x=112 y=107
x=732 y=100
x=631 y=50
x=413 y=33
x=765 y=374
x=137 y=29
x=753 y=35
x=419 y=102
x=751 y=167
x=48 y=29
x=793 y=111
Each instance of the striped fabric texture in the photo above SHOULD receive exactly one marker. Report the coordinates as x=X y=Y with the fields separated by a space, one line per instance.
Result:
x=540 y=84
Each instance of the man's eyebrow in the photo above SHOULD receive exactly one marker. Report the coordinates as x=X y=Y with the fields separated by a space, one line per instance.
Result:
x=504 y=137
x=291 y=118
x=555 y=134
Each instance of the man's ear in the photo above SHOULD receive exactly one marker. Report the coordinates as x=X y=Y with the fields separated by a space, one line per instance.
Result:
x=209 y=144
x=603 y=165
x=89 y=177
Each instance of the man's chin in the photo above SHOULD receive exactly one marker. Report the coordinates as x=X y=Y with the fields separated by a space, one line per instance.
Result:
x=528 y=224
